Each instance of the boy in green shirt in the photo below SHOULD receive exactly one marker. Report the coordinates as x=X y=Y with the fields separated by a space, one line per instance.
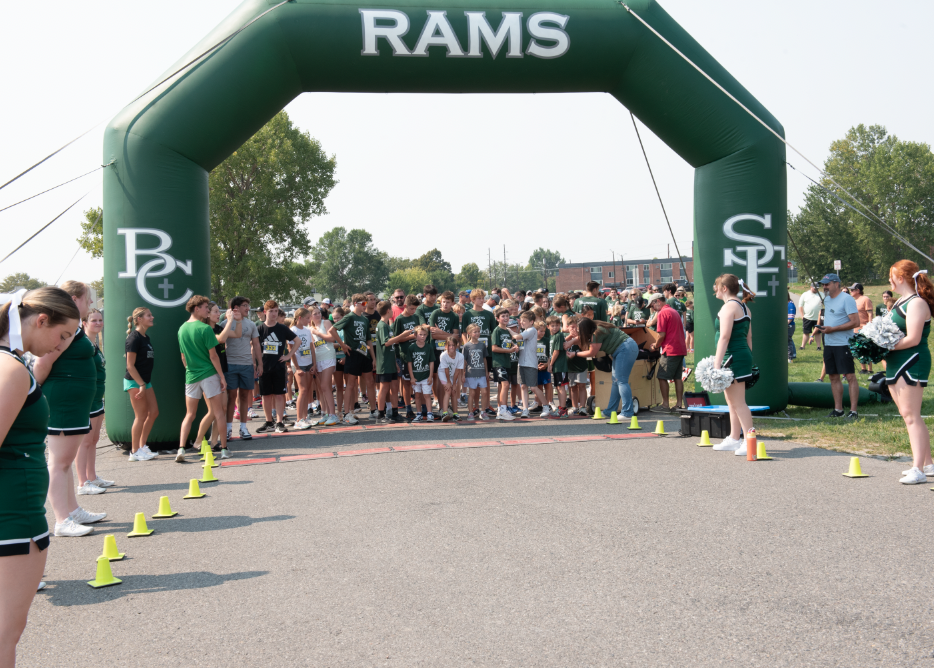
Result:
x=558 y=364
x=356 y=329
x=486 y=323
x=421 y=363
x=384 y=365
x=505 y=363
x=405 y=323
x=578 y=367
x=425 y=310
x=594 y=299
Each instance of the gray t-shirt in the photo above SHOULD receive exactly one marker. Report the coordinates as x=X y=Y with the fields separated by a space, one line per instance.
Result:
x=475 y=360
x=528 y=355
x=837 y=312
x=238 y=350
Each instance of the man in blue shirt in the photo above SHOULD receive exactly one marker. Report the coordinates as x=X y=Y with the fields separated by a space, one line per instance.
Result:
x=792 y=311
x=841 y=317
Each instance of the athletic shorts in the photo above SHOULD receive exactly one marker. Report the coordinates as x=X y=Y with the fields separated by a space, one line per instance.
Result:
x=503 y=375
x=489 y=365
x=209 y=387
x=239 y=376
x=809 y=325
x=528 y=376
x=582 y=378
x=544 y=378
x=838 y=360
x=689 y=329
x=669 y=367
x=387 y=377
x=475 y=383
x=339 y=365
x=560 y=378
x=273 y=382
x=97 y=408
x=132 y=385
x=357 y=365
x=321 y=365
x=421 y=387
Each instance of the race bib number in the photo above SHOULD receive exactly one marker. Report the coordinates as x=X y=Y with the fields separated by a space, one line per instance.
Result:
x=440 y=344
x=373 y=337
x=304 y=353
x=362 y=349
x=320 y=342
x=270 y=348
x=520 y=344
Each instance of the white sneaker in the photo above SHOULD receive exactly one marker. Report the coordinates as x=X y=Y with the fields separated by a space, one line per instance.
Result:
x=146 y=452
x=374 y=415
x=180 y=457
x=90 y=488
x=100 y=482
x=350 y=419
x=332 y=420
x=301 y=424
x=914 y=477
x=249 y=413
x=524 y=414
x=728 y=444
x=928 y=470
x=741 y=450
x=229 y=434
x=71 y=529
x=82 y=516
x=225 y=454
x=503 y=414
x=546 y=410
x=134 y=457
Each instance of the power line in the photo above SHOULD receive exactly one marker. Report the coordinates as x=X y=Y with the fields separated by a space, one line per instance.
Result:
x=54 y=187
x=43 y=227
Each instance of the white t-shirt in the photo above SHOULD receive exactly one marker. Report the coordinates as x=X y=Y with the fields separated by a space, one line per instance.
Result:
x=528 y=354
x=451 y=364
x=810 y=305
x=303 y=354
x=324 y=350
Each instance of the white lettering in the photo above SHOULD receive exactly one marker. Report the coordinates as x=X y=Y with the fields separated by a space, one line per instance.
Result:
x=152 y=269
x=557 y=35
x=753 y=261
x=479 y=30
x=438 y=32
x=391 y=33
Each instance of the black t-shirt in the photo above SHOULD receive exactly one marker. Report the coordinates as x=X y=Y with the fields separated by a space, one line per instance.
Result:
x=273 y=344
x=140 y=344
x=221 y=349
x=374 y=323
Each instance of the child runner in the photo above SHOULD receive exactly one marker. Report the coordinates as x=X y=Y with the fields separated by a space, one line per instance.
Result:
x=486 y=323
x=406 y=322
x=475 y=361
x=543 y=353
x=505 y=362
x=689 y=325
x=558 y=363
x=303 y=365
x=528 y=364
x=278 y=344
x=384 y=363
x=578 y=375
x=356 y=329
x=421 y=363
x=451 y=375
x=326 y=340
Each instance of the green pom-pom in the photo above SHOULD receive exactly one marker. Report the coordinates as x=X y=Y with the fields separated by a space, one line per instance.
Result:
x=866 y=351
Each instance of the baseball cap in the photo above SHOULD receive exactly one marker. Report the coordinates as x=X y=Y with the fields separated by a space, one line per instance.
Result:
x=815 y=284
x=651 y=297
x=857 y=286
x=495 y=298
x=308 y=301
x=829 y=278
x=326 y=301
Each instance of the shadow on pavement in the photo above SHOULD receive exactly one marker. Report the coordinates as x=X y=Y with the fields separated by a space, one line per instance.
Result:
x=170 y=487
x=182 y=524
x=76 y=592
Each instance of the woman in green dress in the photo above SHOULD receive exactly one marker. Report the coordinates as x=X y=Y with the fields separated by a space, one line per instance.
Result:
x=734 y=350
x=86 y=460
x=908 y=365
x=38 y=321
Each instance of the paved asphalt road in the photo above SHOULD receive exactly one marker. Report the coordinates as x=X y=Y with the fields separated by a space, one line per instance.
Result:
x=641 y=552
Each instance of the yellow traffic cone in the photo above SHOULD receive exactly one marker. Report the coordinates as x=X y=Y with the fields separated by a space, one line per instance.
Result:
x=705 y=440
x=761 y=453
x=139 y=526
x=597 y=414
x=194 y=491
x=205 y=448
x=208 y=474
x=660 y=428
x=209 y=459
x=165 y=508
x=634 y=423
x=105 y=576
x=614 y=419
x=856 y=470
x=110 y=549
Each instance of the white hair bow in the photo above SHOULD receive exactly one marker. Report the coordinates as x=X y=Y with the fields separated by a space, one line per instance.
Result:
x=16 y=326
x=743 y=286
x=915 y=277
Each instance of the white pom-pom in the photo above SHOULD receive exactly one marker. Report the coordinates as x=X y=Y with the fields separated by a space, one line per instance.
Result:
x=711 y=379
x=883 y=331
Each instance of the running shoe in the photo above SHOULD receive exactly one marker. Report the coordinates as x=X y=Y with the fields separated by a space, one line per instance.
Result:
x=229 y=434
x=89 y=488
x=146 y=453
x=457 y=418
x=418 y=418
x=546 y=411
x=350 y=419
x=236 y=413
x=331 y=421
x=490 y=412
x=561 y=414
x=70 y=528
x=430 y=417
x=134 y=457
x=100 y=482
x=374 y=415
x=249 y=413
x=267 y=426
x=245 y=434
x=928 y=470
x=914 y=476
x=446 y=417
x=729 y=444
x=505 y=415
x=482 y=415
x=82 y=516
x=301 y=424
x=280 y=428
x=225 y=454
x=180 y=457
x=524 y=414
x=396 y=417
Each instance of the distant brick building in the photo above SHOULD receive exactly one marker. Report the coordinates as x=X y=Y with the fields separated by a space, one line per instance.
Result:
x=576 y=275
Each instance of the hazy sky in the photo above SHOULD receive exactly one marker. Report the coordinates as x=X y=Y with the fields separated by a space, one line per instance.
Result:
x=820 y=67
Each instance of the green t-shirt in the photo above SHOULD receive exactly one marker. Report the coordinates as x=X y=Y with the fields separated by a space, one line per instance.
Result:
x=385 y=355
x=543 y=349
x=677 y=305
x=405 y=323
x=610 y=339
x=502 y=338
x=356 y=329
x=425 y=310
x=598 y=304
x=482 y=319
x=446 y=322
x=557 y=344
x=689 y=317
x=636 y=313
x=577 y=364
x=421 y=358
x=196 y=340
x=619 y=321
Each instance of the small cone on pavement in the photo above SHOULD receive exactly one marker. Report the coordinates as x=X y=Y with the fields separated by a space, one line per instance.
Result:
x=705 y=440
x=208 y=474
x=110 y=549
x=209 y=459
x=597 y=414
x=139 y=526
x=205 y=448
x=614 y=419
x=194 y=490
x=856 y=470
x=105 y=576
x=634 y=423
x=761 y=453
x=660 y=428
x=165 y=508
x=751 y=447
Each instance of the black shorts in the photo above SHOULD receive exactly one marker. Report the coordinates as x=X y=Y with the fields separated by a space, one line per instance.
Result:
x=560 y=378
x=339 y=365
x=503 y=375
x=809 y=325
x=838 y=360
x=669 y=367
x=273 y=382
x=489 y=365
x=357 y=364
x=387 y=377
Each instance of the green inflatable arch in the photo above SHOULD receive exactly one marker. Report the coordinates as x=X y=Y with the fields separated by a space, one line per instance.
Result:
x=165 y=144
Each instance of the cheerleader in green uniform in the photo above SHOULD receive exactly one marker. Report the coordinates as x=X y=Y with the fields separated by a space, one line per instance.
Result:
x=734 y=349
x=86 y=461
x=908 y=365
x=37 y=321
x=69 y=382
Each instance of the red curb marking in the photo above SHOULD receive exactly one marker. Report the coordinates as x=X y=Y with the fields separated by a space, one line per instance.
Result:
x=406 y=448
x=527 y=441
x=578 y=439
x=371 y=451
x=296 y=458
x=473 y=444
x=618 y=436
x=337 y=429
x=379 y=426
x=245 y=462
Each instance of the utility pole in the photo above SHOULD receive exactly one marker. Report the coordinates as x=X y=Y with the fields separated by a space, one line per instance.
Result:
x=544 y=276
x=489 y=272
x=504 y=265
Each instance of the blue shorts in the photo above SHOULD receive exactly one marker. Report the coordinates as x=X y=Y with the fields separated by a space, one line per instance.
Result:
x=475 y=383
x=239 y=376
x=544 y=378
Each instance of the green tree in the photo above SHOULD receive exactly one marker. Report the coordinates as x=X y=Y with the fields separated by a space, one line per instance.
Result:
x=261 y=198
x=412 y=280
x=551 y=259
x=438 y=269
x=92 y=232
x=21 y=280
x=347 y=262
x=397 y=263
x=98 y=287
x=469 y=277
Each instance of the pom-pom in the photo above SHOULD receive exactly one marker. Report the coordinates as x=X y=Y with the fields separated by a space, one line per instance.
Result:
x=711 y=379
x=867 y=351
x=883 y=332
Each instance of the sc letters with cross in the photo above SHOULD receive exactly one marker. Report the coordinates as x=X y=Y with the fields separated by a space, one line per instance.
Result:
x=161 y=265
x=754 y=253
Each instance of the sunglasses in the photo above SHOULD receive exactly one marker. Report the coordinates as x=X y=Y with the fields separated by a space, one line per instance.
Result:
x=359 y=302
x=399 y=299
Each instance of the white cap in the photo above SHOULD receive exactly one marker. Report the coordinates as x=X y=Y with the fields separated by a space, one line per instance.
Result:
x=326 y=301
